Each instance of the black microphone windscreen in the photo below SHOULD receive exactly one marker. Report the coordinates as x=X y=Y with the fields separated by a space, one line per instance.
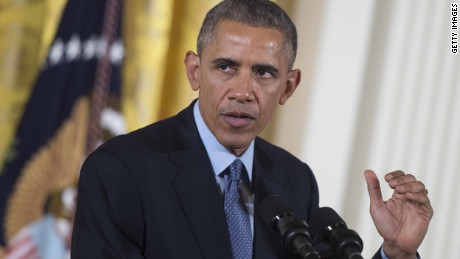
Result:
x=322 y=218
x=269 y=208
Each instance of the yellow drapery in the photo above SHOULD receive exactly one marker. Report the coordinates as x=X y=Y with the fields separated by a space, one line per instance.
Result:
x=157 y=34
x=26 y=31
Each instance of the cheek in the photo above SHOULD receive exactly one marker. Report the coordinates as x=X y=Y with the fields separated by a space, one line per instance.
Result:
x=267 y=109
x=269 y=97
x=216 y=91
x=212 y=96
x=269 y=89
x=268 y=102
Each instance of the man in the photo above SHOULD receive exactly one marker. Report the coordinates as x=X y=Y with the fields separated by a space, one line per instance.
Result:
x=163 y=191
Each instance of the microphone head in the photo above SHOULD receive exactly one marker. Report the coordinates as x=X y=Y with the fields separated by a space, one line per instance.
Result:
x=271 y=210
x=293 y=231
x=324 y=220
x=328 y=226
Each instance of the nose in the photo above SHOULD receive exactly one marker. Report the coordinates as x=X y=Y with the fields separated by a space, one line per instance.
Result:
x=242 y=89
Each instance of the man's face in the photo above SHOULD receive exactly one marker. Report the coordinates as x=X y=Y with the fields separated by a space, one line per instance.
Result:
x=242 y=76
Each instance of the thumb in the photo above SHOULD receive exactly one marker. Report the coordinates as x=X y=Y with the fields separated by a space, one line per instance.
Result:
x=373 y=187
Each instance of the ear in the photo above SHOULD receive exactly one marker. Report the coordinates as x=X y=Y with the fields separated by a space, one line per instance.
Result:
x=292 y=82
x=192 y=68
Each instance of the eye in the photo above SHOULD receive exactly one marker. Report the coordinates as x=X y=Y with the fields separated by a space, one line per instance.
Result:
x=225 y=68
x=264 y=74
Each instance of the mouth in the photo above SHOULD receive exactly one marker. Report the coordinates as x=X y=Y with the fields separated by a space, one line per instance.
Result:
x=238 y=119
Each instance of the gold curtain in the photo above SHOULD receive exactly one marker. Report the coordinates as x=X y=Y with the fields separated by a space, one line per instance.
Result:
x=26 y=31
x=156 y=35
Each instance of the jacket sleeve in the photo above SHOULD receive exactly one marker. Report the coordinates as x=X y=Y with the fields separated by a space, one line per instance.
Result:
x=108 y=221
x=378 y=255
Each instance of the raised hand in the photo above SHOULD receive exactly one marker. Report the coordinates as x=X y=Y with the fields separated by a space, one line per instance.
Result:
x=402 y=220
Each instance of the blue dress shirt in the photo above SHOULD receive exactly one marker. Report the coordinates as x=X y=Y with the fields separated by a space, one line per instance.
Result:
x=221 y=158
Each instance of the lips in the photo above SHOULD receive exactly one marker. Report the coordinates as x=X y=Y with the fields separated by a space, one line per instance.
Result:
x=238 y=119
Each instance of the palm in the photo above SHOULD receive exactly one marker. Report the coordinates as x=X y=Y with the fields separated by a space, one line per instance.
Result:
x=403 y=220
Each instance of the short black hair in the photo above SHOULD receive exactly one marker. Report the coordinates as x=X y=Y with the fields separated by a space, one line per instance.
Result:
x=257 y=13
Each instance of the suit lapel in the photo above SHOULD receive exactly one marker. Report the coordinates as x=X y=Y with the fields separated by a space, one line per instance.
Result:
x=197 y=190
x=201 y=202
x=267 y=244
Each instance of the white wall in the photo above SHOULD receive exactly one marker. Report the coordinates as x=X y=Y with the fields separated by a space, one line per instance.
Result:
x=380 y=90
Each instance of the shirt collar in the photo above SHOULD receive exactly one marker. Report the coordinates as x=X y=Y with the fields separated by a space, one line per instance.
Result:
x=220 y=157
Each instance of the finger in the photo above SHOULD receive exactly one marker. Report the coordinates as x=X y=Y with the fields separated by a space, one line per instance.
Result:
x=423 y=200
x=398 y=178
x=373 y=188
x=419 y=197
x=394 y=174
x=398 y=196
x=414 y=187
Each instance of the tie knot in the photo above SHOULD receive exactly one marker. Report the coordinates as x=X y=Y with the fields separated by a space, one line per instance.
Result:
x=236 y=170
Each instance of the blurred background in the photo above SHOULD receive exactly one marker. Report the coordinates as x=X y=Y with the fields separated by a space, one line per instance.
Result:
x=380 y=90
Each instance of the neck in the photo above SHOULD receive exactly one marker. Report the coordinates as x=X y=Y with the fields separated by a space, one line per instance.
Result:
x=237 y=151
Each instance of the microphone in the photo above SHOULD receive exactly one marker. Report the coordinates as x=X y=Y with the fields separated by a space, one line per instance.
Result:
x=331 y=228
x=293 y=231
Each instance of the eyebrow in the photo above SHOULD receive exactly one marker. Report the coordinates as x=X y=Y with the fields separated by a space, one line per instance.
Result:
x=257 y=67
x=226 y=61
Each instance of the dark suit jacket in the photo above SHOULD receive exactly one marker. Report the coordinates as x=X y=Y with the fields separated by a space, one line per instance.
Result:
x=152 y=193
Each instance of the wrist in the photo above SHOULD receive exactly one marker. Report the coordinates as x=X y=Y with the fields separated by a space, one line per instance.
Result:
x=394 y=252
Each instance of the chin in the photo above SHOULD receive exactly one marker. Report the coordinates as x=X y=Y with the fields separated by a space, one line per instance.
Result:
x=232 y=143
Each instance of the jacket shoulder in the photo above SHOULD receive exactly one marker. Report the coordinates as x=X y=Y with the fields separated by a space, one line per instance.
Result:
x=156 y=136
x=168 y=135
x=280 y=154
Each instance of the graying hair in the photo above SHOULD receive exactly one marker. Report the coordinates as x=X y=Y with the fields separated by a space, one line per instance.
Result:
x=256 y=13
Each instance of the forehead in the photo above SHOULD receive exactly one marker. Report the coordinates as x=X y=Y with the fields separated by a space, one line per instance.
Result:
x=235 y=39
